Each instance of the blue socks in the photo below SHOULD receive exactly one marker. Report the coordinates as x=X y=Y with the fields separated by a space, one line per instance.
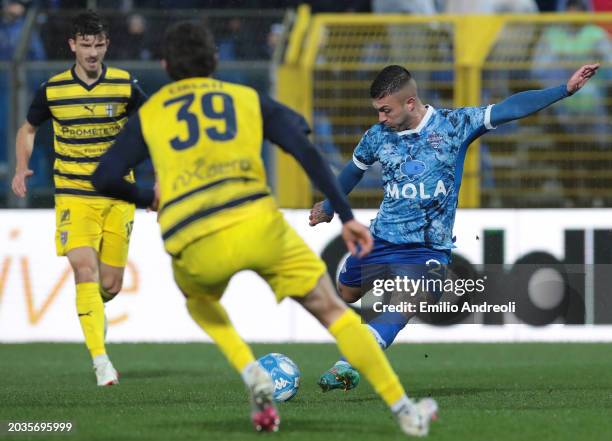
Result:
x=385 y=328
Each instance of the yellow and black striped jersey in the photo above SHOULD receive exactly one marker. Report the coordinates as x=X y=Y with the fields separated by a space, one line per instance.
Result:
x=205 y=139
x=86 y=119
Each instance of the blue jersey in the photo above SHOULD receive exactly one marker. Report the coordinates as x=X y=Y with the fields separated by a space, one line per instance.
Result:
x=421 y=172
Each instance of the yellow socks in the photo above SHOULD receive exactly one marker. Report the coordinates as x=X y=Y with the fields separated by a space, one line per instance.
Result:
x=355 y=341
x=213 y=319
x=359 y=346
x=91 y=316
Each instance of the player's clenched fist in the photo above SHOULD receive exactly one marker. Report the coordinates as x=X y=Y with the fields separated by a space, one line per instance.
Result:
x=357 y=238
x=19 y=182
x=318 y=215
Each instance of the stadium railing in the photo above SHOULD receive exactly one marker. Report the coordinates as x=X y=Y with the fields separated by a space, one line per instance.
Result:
x=557 y=157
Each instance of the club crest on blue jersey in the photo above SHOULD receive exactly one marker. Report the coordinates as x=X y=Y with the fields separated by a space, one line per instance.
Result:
x=434 y=139
x=413 y=168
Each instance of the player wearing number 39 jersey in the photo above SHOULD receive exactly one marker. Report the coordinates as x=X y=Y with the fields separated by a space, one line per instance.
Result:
x=212 y=174
x=217 y=215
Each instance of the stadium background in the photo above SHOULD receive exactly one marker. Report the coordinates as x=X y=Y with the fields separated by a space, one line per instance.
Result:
x=319 y=59
x=536 y=189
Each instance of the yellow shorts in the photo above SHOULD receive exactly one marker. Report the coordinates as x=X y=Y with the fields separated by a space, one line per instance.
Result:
x=104 y=225
x=266 y=244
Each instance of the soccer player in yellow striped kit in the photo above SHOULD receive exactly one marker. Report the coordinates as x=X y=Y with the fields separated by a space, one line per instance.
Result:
x=217 y=215
x=89 y=104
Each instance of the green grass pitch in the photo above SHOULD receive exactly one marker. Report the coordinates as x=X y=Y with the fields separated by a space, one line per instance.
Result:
x=188 y=392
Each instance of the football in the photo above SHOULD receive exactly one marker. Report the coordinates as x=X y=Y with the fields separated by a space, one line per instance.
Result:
x=285 y=374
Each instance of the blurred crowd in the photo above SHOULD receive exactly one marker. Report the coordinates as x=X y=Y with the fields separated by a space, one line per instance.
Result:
x=136 y=25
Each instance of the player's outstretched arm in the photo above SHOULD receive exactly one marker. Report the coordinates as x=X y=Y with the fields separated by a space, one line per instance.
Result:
x=349 y=177
x=23 y=152
x=526 y=103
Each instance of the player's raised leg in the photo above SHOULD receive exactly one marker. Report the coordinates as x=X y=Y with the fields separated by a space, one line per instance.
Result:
x=360 y=348
x=383 y=262
x=342 y=375
x=90 y=310
x=296 y=271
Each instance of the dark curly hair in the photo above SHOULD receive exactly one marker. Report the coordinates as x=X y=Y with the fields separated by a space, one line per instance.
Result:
x=189 y=50
x=88 y=23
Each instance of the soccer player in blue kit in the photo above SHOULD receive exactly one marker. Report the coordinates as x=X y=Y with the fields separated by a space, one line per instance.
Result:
x=421 y=151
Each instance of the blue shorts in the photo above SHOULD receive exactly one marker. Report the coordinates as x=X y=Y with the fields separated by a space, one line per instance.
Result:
x=388 y=260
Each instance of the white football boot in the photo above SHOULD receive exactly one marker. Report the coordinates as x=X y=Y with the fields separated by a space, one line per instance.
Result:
x=414 y=419
x=106 y=374
x=264 y=415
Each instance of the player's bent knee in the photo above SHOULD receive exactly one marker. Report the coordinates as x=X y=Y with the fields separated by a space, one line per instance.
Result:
x=84 y=263
x=84 y=273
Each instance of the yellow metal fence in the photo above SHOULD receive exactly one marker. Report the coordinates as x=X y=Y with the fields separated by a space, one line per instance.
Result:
x=558 y=157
